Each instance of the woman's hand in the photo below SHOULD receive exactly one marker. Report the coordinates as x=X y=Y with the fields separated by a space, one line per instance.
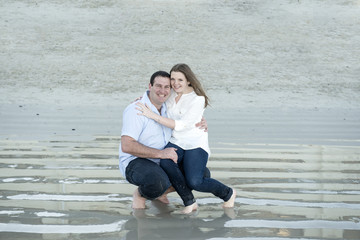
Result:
x=146 y=111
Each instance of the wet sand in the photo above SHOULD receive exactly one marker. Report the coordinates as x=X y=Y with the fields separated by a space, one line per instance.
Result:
x=284 y=124
x=302 y=183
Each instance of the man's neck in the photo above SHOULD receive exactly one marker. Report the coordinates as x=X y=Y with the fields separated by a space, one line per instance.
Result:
x=158 y=107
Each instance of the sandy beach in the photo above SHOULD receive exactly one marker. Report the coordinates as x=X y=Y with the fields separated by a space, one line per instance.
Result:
x=284 y=123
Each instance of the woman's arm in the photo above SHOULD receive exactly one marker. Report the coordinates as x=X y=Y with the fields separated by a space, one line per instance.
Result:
x=147 y=112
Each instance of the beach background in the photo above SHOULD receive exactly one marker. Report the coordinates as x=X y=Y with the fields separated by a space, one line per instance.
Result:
x=283 y=78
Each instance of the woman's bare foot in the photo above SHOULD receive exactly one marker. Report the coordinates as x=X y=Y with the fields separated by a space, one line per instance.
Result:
x=190 y=208
x=230 y=212
x=230 y=203
x=138 y=200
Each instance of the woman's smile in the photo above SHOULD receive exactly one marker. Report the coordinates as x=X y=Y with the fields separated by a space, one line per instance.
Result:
x=179 y=83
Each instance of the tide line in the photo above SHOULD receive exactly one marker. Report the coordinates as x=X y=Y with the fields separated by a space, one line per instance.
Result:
x=29 y=228
x=202 y=201
x=273 y=202
x=264 y=238
x=264 y=202
x=306 y=224
x=81 y=198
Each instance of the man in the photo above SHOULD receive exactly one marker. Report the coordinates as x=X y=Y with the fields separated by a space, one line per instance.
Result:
x=142 y=144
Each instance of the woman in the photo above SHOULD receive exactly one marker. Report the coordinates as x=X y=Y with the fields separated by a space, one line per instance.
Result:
x=186 y=106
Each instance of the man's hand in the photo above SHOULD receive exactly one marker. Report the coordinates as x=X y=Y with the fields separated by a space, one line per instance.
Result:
x=202 y=124
x=169 y=153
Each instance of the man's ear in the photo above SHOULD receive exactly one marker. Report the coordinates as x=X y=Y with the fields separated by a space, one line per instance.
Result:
x=149 y=86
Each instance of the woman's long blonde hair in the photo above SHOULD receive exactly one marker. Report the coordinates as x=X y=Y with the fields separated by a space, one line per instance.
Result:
x=190 y=76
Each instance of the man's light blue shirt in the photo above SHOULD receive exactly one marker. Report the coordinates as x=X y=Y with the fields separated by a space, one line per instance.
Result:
x=144 y=130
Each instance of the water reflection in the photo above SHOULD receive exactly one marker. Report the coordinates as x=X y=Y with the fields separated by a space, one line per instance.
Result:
x=241 y=223
x=166 y=225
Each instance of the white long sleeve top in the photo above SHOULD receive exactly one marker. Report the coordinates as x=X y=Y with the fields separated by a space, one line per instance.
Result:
x=187 y=112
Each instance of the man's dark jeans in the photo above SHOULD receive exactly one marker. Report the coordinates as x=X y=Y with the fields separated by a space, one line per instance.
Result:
x=149 y=176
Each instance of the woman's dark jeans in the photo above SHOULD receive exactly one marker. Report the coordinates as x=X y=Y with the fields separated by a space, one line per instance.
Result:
x=193 y=164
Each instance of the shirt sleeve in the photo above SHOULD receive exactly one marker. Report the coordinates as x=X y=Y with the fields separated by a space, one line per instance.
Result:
x=132 y=123
x=193 y=114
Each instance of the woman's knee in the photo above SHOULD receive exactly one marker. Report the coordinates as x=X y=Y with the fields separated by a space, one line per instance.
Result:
x=207 y=173
x=194 y=183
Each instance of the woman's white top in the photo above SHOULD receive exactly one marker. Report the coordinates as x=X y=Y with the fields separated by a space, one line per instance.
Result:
x=187 y=112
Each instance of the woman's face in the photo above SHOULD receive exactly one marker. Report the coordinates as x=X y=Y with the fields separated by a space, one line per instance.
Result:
x=179 y=83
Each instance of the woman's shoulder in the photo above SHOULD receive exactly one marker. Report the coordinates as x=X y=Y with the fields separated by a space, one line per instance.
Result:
x=198 y=98
x=195 y=100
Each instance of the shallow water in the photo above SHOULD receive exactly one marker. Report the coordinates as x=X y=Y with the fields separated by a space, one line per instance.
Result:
x=68 y=186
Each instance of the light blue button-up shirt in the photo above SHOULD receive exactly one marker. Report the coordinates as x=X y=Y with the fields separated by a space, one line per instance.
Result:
x=144 y=130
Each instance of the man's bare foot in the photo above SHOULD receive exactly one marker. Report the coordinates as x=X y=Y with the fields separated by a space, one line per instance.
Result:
x=190 y=208
x=138 y=200
x=139 y=213
x=230 y=203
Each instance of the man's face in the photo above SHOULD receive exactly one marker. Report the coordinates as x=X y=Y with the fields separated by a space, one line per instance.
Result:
x=160 y=91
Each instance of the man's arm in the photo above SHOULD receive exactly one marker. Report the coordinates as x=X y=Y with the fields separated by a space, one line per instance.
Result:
x=133 y=147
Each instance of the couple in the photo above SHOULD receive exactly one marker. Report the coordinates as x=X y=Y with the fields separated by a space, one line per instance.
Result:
x=162 y=148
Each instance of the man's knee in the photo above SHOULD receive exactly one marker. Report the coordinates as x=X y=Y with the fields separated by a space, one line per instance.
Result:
x=156 y=186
